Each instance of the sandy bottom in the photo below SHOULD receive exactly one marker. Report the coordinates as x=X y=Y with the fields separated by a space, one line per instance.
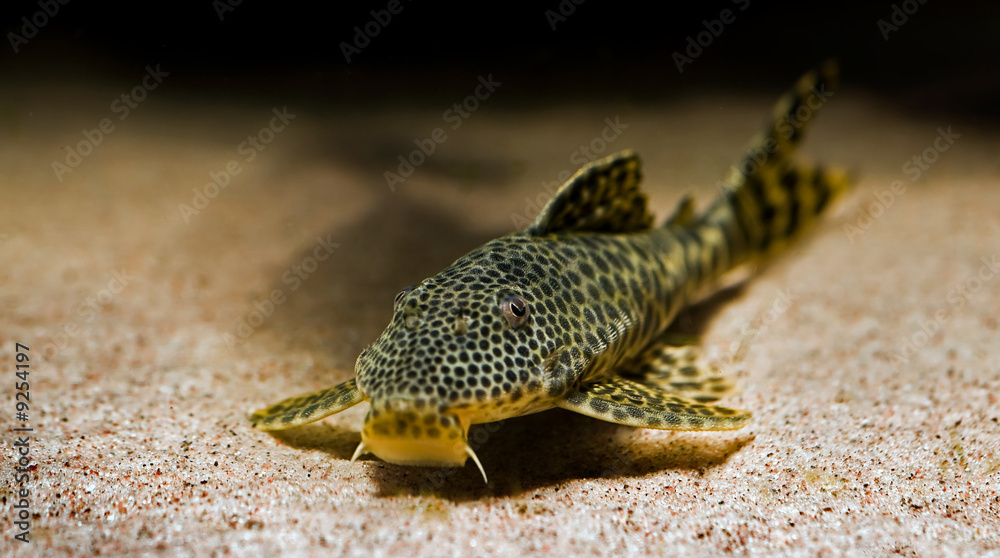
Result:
x=869 y=355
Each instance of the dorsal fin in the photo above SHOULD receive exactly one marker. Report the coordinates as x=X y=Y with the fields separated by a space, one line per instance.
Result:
x=603 y=196
x=684 y=215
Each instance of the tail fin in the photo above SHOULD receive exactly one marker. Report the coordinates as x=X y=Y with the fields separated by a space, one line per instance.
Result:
x=767 y=201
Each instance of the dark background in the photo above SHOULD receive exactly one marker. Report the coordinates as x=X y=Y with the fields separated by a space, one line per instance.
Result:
x=944 y=57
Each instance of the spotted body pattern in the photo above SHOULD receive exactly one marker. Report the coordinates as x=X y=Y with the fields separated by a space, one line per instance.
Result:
x=573 y=311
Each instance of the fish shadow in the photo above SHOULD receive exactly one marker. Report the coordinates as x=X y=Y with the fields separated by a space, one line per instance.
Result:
x=549 y=448
x=346 y=302
x=320 y=436
x=693 y=321
x=526 y=453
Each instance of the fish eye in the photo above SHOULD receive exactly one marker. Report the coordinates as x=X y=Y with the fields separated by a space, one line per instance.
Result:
x=400 y=296
x=514 y=309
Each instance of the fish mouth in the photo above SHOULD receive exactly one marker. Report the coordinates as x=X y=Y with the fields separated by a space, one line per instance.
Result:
x=398 y=434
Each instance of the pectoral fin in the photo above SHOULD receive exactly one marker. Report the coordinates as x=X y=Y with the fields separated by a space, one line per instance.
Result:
x=673 y=363
x=304 y=409
x=627 y=402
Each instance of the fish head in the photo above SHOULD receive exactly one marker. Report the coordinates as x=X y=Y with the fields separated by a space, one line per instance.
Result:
x=475 y=343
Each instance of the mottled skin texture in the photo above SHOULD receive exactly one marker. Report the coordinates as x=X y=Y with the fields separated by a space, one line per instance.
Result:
x=572 y=312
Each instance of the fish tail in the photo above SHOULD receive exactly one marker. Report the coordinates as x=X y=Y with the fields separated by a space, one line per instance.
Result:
x=767 y=199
